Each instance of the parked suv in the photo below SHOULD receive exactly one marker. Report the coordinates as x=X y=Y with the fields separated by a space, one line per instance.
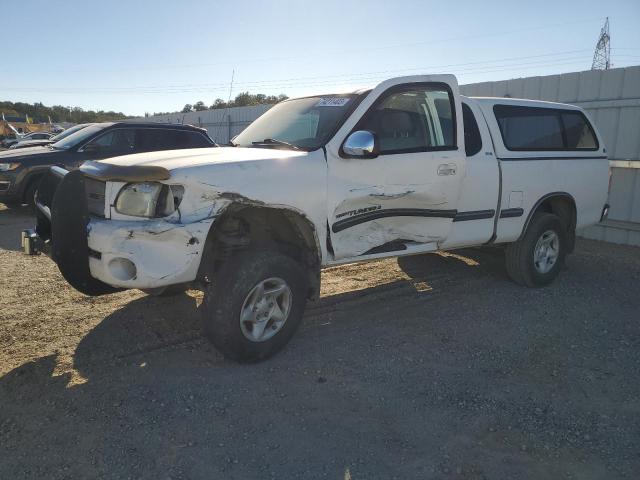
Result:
x=408 y=167
x=21 y=170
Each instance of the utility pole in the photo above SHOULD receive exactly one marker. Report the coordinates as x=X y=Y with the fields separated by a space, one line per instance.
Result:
x=602 y=54
x=226 y=110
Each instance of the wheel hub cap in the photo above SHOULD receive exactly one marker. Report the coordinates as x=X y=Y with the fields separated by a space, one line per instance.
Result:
x=265 y=309
x=546 y=251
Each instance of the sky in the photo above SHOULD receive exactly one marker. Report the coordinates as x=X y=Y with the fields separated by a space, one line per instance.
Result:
x=138 y=56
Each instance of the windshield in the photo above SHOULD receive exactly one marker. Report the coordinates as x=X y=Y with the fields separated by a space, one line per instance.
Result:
x=305 y=123
x=78 y=137
x=68 y=132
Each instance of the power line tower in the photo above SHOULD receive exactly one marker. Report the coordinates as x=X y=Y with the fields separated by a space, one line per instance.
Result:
x=602 y=55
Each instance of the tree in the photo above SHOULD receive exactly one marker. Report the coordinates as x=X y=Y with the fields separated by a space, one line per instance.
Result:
x=187 y=108
x=199 y=106
x=58 y=113
x=244 y=99
x=219 y=103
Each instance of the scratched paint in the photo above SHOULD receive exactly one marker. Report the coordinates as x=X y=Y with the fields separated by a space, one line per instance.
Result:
x=169 y=250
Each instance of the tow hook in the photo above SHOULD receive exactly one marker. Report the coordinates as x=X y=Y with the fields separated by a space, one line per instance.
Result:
x=31 y=242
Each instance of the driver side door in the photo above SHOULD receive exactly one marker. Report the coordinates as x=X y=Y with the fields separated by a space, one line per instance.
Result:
x=406 y=196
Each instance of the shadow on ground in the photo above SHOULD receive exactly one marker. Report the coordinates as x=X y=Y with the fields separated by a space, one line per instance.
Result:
x=452 y=372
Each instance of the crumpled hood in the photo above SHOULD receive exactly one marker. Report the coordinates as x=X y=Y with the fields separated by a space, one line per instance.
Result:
x=198 y=157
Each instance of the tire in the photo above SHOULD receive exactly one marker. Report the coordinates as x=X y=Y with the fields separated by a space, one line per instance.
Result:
x=522 y=265
x=235 y=288
x=30 y=193
x=169 y=291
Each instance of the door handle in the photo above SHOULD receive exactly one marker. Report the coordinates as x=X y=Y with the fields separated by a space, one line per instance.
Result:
x=447 y=169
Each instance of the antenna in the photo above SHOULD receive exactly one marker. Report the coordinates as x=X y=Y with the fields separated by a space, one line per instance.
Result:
x=233 y=73
x=226 y=109
x=602 y=55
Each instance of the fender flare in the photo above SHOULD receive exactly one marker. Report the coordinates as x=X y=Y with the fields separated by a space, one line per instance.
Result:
x=540 y=201
x=31 y=176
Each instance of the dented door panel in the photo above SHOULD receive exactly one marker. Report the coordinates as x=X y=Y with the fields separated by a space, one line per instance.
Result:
x=404 y=197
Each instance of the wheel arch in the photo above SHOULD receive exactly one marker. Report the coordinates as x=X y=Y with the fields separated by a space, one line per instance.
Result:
x=561 y=204
x=30 y=179
x=241 y=226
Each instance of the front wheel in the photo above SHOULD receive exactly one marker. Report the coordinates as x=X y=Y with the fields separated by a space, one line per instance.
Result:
x=537 y=258
x=254 y=305
x=30 y=194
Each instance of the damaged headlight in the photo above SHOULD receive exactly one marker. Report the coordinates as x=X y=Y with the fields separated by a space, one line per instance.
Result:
x=149 y=199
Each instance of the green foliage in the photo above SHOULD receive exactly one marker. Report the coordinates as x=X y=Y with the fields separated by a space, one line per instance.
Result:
x=199 y=106
x=246 y=99
x=40 y=113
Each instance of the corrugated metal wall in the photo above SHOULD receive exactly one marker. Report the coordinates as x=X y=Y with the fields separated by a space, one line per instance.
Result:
x=612 y=98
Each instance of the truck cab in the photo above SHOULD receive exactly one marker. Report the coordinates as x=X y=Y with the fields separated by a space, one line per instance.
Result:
x=409 y=166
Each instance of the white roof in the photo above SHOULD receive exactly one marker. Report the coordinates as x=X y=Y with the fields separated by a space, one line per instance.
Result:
x=522 y=102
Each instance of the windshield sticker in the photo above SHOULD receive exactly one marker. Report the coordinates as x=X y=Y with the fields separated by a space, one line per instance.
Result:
x=332 y=102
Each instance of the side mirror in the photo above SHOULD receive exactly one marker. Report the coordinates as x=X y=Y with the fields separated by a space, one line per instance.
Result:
x=361 y=144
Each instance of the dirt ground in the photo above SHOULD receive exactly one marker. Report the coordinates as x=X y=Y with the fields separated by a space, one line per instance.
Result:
x=433 y=366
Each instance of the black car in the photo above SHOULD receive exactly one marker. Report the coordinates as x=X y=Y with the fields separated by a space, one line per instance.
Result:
x=21 y=170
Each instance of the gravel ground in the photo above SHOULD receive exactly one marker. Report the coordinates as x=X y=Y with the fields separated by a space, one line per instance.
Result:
x=433 y=366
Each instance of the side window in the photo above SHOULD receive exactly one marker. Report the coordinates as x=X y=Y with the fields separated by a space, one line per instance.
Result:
x=579 y=133
x=535 y=128
x=472 y=138
x=155 y=139
x=197 y=140
x=413 y=119
x=527 y=128
x=184 y=139
x=119 y=141
x=151 y=140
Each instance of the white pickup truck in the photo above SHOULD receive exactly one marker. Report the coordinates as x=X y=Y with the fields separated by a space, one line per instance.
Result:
x=407 y=167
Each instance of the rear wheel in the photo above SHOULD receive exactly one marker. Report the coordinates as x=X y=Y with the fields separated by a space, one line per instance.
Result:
x=254 y=305
x=537 y=258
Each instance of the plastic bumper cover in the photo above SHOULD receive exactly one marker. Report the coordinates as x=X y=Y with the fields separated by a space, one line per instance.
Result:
x=145 y=254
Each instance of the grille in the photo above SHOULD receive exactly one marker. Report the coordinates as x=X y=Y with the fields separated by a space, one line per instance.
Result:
x=95 y=190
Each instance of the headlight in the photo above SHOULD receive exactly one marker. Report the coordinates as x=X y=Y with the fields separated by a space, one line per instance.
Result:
x=5 y=167
x=149 y=199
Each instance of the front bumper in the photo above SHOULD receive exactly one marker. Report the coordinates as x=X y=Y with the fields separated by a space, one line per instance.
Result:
x=145 y=254
x=8 y=193
x=99 y=255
